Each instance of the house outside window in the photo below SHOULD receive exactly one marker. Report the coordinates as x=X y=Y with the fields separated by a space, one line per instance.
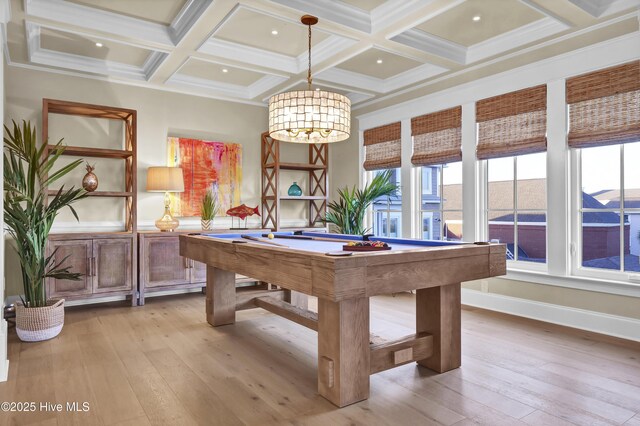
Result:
x=387 y=210
x=517 y=206
x=609 y=208
x=441 y=202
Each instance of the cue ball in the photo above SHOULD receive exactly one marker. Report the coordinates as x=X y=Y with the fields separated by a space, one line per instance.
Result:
x=270 y=236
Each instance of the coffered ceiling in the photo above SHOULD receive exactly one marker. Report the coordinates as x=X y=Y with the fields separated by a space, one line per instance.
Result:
x=373 y=51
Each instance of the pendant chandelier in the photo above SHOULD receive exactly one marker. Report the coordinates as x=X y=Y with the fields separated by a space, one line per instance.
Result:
x=309 y=116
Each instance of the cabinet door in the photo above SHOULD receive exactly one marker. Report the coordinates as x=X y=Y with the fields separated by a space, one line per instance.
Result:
x=111 y=265
x=163 y=265
x=198 y=272
x=79 y=258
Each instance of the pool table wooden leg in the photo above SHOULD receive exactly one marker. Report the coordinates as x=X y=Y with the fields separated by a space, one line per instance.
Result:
x=221 y=296
x=343 y=350
x=438 y=313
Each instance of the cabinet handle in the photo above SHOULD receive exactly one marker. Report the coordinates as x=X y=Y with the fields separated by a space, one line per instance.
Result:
x=89 y=271
x=93 y=266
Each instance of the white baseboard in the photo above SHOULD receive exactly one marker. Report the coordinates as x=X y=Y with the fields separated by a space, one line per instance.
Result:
x=612 y=325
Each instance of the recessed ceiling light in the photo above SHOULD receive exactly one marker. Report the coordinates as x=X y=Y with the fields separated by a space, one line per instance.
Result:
x=317 y=89
x=476 y=18
x=98 y=44
x=225 y=70
x=379 y=61
x=274 y=32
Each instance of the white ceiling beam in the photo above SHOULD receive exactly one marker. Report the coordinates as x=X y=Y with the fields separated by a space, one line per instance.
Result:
x=144 y=32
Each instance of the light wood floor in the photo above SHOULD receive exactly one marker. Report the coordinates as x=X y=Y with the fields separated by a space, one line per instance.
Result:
x=163 y=364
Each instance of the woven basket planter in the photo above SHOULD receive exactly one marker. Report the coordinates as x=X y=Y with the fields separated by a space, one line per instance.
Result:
x=38 y=324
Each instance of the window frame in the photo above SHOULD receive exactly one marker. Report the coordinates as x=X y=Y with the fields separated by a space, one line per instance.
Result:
x=439 y=193
x=576 y=239
x=370 y=217
x=515 y=265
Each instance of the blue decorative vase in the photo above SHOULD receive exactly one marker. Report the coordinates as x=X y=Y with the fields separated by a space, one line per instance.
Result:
x=294 y=190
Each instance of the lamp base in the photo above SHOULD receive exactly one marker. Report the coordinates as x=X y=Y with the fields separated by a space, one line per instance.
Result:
x=167 y=223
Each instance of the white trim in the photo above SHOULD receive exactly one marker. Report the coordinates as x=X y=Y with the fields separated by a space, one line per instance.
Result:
x=532 y=32
x=374 y=84
x=435 y=45
x=594 y=8
x=145 y=32
x=251 y=55
x=598 y=285
x=611 y=52
x=611 y=325
x=186 y=18
x=338 y=12
x=601 y=55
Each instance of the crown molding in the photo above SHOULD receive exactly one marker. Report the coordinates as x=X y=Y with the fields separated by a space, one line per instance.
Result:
x=265 y=84
x=38 y=55
x=601 y=55
x=595 y=8
x=324 y=50
x=145 y=33
x=432 y=44
x=186 y=19
x=532 y=32
x=250 y=55
x=336 y=12
x=152 y=63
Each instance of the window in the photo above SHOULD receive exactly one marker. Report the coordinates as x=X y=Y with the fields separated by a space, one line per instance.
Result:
x=441 y=202
x=387 y=211
x=609 y=207
x=517 y=205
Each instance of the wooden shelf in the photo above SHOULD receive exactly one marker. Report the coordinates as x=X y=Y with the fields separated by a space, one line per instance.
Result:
x=53 y=192
x=80 y=151
x=301 y=198
x=297 y=166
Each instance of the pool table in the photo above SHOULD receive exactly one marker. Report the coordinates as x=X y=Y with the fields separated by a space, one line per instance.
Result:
x=310 y=263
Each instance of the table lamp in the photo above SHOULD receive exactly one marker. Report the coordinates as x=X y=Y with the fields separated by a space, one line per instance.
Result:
x=165 y=179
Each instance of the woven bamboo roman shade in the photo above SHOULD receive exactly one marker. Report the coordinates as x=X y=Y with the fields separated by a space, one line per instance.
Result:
x=382 y=147
x=512 y=124
x=437 y=137
x=604 y=106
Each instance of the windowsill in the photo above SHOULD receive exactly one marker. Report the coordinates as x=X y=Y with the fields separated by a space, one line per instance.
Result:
x=621 y=288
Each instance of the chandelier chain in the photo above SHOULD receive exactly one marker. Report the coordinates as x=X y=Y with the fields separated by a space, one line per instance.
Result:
x=309 y=70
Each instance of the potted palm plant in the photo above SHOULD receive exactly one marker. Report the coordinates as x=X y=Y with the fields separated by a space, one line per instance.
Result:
x=28 y=218
x=208 y=210
x=347 y=213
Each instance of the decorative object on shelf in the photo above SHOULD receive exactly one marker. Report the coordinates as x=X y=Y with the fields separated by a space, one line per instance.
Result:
x=28 y=218
x=209 y=210
x=309 y=116
x=294 y=190
x=90 y=180
x=206 y=165
x=165 y=179
x=347 y=213
x=242 y=212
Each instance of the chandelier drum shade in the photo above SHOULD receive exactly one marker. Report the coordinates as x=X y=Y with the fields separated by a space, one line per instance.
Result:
x=309 y=116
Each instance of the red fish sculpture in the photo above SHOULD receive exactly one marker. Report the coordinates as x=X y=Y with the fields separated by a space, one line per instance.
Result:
x=243 y=211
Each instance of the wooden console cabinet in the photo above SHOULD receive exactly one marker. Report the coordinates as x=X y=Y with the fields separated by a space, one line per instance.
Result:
x=161 y=267
x=104 y=259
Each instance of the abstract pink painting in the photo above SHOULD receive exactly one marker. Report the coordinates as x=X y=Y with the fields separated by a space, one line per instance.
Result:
x=206 y=165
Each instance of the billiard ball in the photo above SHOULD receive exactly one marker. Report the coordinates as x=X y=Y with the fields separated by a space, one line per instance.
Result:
x=271 y=236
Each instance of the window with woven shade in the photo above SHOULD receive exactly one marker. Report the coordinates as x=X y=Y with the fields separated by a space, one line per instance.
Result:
x=512 y=124
x=437 y=137
x=382 y=147
x=604 y=106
